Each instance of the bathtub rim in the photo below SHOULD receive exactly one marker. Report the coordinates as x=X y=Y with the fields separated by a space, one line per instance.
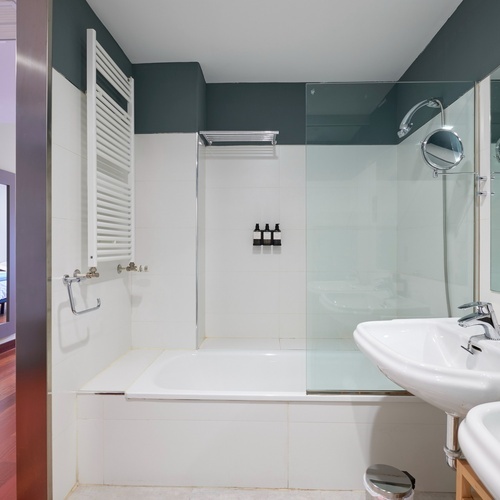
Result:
x=121 y=375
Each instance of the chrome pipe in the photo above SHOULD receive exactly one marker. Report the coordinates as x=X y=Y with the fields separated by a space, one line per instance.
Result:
x=452 y=447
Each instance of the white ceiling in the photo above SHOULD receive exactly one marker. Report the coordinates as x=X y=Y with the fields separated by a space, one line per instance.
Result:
x=278 y=40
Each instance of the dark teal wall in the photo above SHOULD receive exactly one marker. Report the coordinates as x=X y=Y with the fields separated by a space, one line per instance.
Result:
x=71 y=19
x=169 y=97
x=258 y=106
x=466 y=48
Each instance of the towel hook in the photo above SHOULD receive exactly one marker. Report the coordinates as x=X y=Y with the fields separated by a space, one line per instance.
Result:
x=68 y=281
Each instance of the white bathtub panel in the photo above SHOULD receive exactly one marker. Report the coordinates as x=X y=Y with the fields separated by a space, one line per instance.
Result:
x=118 y=408
x=165 y=157
x=414 y=411
x=335 y=456
x=250 y=325
x=162 y=204
x=164 y=334
x=245 y=454
x=91 y=441
x=292 y=166
x=326 y=456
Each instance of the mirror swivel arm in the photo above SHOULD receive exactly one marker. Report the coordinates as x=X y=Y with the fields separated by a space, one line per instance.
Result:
x=68 y=281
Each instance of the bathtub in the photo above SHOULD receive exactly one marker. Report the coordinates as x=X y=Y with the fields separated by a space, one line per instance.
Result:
x=258 y=375
x=224 y=375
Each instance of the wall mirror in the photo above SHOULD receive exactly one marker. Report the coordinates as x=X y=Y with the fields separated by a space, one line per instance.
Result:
x=495 y=180
x=7 y=255
x=442 y=149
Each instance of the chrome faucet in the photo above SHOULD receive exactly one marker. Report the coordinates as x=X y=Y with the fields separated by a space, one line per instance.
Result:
x=483 y=315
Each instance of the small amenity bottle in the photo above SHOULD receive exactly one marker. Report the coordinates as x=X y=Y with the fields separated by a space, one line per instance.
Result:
x=276 y=235
x=257 y=236
x=266 y=236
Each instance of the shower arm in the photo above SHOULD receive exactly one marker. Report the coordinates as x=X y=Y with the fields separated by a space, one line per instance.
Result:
x=406 y=124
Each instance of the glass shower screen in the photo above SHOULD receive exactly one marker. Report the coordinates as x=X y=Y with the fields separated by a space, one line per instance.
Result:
x=385 y=237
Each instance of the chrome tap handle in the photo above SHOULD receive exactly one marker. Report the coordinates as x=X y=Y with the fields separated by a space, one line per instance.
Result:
x=474 y=304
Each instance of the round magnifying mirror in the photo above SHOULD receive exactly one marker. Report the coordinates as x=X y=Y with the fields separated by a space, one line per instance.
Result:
x=442 y=149
x=497 y=150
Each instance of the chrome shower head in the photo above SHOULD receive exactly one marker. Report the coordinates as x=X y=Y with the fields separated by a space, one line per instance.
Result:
x=406 y=125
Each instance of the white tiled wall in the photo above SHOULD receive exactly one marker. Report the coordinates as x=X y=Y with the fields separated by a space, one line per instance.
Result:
x=260 y=445
x=256 y=292
x=81 y=346
x=243 y=291
x=164 y=298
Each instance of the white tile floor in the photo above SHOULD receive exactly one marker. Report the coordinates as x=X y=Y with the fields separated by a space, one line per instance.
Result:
x=151 y=493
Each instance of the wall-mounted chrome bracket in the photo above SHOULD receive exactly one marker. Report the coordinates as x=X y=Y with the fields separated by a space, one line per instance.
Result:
x=91 y=273
x=131 y=266
x=480 y=180
x=68 y=281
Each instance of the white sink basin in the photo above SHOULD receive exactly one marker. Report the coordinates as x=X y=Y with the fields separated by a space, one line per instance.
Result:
x=425 y=357
x=479 y=437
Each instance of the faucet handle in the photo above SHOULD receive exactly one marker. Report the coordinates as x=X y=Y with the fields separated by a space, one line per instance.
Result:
x=480 y=305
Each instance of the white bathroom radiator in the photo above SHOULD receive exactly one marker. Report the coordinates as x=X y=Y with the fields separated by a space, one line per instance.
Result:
x=110 y=158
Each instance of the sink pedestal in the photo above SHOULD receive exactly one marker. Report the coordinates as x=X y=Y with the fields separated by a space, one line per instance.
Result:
x=468 y=480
